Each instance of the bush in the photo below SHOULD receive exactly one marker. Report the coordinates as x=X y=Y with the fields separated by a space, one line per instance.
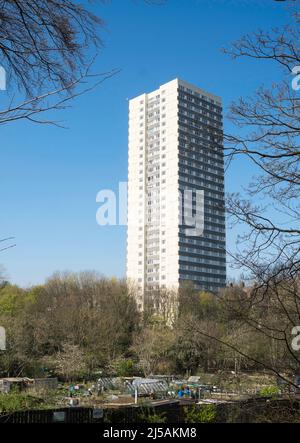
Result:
x=148 y=414
x=18 y=401
x=123 y=368
x=270 y=391
x=204 y=414
x=153 y=418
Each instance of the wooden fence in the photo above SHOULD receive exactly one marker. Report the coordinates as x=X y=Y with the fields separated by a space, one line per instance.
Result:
x=65 y=415
x=239 y=412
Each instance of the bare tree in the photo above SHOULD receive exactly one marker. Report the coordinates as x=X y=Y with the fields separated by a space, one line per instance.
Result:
x=152 y=346
x=6 y=243
x=44 y=47
x=47 y=48
x=270 y=141
x=44 y=42
x=271 y=128
x=268 y=134
x=34 y=108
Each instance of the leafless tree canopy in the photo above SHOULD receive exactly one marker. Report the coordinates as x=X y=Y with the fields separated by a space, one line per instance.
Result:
x=267 y=136
x=47 y=48
x=45 y=42
x=268 y=130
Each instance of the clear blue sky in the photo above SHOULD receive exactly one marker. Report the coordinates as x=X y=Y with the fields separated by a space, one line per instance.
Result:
x=49 y=177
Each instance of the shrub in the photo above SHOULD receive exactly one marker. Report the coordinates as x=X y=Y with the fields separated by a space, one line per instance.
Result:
x=17 y=402
x=150 y=416
x=123 y=367
x=270 y=391
x=202 y=414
